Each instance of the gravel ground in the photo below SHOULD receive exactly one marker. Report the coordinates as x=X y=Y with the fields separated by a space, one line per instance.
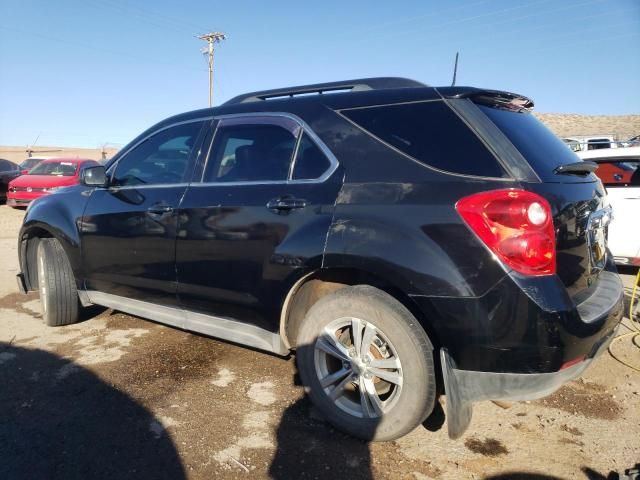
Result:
x=120 y=397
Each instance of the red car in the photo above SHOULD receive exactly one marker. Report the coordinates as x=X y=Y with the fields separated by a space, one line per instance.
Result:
x=44 y=178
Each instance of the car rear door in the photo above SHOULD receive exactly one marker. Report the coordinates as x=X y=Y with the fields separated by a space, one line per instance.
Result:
x=128 y=230
x=258 y=219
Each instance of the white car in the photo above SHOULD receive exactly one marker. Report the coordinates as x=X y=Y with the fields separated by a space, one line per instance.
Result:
x=619 y=170
x=591 y=142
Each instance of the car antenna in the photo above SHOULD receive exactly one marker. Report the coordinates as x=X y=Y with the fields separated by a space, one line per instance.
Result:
x=455 y=70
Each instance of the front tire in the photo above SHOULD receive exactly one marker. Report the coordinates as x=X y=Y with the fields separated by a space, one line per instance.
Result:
x=56 y=283
x=366 y=363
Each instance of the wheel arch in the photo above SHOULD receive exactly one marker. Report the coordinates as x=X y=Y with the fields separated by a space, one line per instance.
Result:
x=29 y=239
x=314 y=285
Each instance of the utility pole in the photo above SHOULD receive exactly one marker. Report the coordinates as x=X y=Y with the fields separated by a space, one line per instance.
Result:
x=211 y=38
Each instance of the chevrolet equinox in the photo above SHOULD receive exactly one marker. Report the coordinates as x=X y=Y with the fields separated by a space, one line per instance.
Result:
x=406 y=241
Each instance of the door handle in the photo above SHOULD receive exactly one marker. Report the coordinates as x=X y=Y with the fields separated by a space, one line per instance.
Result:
x=160 y=209
x=286 y=204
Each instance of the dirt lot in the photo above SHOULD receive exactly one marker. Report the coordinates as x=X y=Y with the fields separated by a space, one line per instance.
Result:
x=119 y=397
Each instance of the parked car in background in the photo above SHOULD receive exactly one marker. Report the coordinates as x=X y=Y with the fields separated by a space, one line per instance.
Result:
x=619 y=170
x=403 y=240
x=574 y=145
x=591 y=142
x=46 y=177
x=8 y=171
x=29 y=163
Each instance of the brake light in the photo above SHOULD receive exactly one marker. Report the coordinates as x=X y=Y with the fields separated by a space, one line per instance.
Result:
x=517 y=227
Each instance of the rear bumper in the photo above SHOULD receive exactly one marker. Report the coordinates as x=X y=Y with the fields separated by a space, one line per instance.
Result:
x=463 y=387
x=522 y=340
x=525 y=325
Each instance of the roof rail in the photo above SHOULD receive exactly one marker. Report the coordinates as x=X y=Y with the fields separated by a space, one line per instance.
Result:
x=360 y=84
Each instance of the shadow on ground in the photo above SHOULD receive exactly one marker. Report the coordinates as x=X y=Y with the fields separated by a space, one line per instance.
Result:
x=589 y=473
x=74 y=426
x=309 y=448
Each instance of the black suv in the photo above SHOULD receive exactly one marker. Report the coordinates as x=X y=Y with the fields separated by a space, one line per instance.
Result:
x=405 y=240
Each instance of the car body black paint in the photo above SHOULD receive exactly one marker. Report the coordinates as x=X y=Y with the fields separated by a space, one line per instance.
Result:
x=381 y=213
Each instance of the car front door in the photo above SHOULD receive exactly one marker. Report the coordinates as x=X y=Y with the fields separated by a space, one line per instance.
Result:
x=257 y=221
x=128 y=230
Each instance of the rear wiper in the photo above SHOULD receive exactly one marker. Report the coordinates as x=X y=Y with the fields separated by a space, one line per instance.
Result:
x=577 y=168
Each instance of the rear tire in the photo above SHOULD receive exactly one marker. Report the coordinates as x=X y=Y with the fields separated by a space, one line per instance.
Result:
x=57 y=285
x=343 y=371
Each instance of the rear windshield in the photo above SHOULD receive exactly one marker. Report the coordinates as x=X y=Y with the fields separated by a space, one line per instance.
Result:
x=431 y=133
x=542 y=149
x=60 y=169
x=619 y=172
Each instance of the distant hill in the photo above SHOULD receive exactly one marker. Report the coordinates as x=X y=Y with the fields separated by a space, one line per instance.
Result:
x=17 y=153
x=567 y=124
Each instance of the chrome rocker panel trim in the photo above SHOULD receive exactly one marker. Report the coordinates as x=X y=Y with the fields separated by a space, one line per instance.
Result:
x=218 y=327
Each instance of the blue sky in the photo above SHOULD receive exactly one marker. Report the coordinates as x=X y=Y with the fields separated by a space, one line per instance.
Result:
x=86 y=72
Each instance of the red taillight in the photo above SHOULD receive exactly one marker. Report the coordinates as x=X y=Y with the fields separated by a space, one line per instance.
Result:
x=516 y=225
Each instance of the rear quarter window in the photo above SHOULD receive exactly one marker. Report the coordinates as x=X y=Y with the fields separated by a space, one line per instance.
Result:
x=543 y=150
x=431 y=133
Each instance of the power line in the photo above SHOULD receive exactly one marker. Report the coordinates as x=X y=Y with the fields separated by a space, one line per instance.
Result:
x=411 y=19
x=590 y=41
x=545 y=26
x=152 y=18
x=151 y=13
x=395 y=34
x=93 y=48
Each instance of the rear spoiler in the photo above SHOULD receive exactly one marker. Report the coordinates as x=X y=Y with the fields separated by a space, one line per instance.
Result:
x=496 y=98
x=578 y=168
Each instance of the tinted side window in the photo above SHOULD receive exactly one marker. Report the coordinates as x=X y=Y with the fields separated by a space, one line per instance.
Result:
x=250 y=153
x=161 y=159
x=598 y=143
x=310 y=163
x=431 y=133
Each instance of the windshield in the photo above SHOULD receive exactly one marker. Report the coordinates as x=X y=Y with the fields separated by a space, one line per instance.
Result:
x=29 y=163
x=542 y=149
x=60 y=169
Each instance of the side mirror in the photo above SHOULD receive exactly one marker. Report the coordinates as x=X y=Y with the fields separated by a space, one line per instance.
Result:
x=94 y=176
